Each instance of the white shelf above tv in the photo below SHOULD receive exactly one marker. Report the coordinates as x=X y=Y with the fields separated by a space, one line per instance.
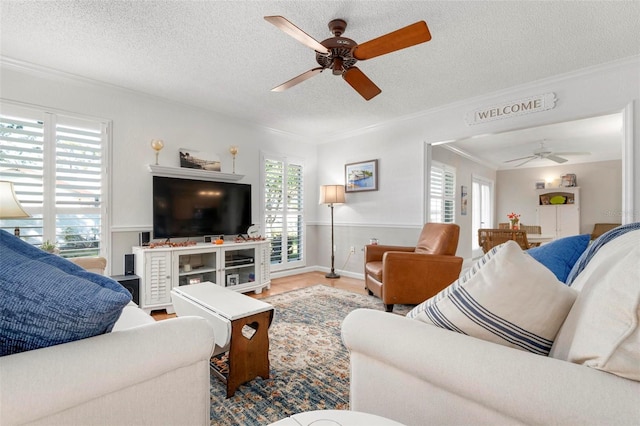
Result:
x=186 y=173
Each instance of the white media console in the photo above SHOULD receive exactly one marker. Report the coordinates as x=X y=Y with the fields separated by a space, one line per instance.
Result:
x=242 y=267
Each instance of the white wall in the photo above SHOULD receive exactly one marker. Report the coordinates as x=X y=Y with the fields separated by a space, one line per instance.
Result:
x=600 y=192
x=400 y=147
x=136 y=120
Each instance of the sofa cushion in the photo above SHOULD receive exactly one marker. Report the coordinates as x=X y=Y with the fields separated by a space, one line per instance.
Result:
x=374 y=269
x=507 y=297
x=47 y=300
x=602 y=329
x=596 y=245
x=560 y=255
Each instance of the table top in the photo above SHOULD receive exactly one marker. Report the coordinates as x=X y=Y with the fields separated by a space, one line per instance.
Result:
x=227 y=303
x=539 y=238
x=335 y=418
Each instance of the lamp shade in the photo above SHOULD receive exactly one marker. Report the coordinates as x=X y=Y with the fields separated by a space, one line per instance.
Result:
x=332 y=194
x=10 y=207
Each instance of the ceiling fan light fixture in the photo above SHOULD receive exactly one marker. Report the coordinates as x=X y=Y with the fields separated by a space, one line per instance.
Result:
x=338 y=68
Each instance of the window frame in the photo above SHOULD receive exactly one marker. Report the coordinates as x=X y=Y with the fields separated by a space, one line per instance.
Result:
x=53 y=120
x=287 y=161
x=445 y=195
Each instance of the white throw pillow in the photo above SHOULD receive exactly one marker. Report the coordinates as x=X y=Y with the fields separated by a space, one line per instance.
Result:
x=507 y=297
x=602 y=330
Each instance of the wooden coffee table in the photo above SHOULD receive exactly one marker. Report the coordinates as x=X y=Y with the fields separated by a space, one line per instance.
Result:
x=241 y=325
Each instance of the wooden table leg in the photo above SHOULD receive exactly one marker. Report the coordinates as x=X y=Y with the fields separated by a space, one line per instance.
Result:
x=249 y=357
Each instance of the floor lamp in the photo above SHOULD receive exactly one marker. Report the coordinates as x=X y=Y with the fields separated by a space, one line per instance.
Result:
x=332 y=194
x=10 y=207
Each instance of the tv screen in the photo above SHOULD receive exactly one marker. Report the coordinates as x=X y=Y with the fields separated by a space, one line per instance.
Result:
x=194 y=208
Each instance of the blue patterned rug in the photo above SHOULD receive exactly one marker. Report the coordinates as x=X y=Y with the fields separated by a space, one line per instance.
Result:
x=309 y=363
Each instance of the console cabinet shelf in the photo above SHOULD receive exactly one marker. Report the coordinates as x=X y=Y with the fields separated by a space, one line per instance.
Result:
x=242 y=267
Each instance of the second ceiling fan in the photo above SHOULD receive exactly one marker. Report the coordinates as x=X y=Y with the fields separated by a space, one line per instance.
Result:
x=340 y=54
x=544 y=153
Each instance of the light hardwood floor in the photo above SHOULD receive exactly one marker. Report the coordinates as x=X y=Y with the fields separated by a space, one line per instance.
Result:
x=294 y=282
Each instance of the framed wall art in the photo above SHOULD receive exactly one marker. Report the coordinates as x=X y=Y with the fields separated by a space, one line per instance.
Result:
x=464 y=200
x=362 y=176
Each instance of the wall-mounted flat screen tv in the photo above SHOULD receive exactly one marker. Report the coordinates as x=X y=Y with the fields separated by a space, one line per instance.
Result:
x=195 y=208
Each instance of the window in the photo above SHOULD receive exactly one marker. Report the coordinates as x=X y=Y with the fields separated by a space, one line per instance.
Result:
x=283 y=210
x=56 y=163
x=442 y=204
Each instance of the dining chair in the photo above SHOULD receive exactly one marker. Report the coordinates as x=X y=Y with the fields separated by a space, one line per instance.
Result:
x=489 y=238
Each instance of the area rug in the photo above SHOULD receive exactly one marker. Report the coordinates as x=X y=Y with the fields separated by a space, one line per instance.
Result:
x=309 y=364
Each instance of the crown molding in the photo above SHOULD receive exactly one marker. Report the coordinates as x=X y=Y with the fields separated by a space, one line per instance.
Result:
x=468 y=156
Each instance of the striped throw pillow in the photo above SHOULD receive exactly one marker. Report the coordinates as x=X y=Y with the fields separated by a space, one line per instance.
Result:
x=506 y=297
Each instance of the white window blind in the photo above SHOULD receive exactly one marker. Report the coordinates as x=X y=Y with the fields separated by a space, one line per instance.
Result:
x=284 y=211
x=56 y=163
x=442 y=193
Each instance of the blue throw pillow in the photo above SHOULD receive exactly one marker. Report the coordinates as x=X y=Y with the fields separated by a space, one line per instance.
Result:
x=560 y=255
x=46 y=300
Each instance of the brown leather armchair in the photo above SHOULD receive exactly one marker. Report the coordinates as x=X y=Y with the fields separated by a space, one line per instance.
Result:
x=411 y=275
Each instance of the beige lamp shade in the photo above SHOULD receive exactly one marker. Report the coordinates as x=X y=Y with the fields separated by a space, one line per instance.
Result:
x=332 y=194
x=10 y=207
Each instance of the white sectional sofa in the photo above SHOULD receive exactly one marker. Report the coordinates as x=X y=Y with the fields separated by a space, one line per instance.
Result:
x=416 y=373
x=142 y=373
x=75 y=350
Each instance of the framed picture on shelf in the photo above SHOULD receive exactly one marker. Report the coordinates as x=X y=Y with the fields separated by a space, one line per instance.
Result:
x=193 y=159
x=362 y=176
x=539 y=185
x=568 y=180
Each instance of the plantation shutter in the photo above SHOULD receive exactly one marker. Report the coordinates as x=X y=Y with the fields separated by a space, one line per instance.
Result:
x=56 y=163
x=22 y=161
x=442 y=193
x=283 y=211
x=79 y=188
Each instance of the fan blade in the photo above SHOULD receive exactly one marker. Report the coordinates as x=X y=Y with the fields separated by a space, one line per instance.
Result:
x=555 y=158
x=284 y=25
x=361 y=83
x=296 y=80
x=530 y=157
x=572 y=153
x=526 y=161
x=400 y=39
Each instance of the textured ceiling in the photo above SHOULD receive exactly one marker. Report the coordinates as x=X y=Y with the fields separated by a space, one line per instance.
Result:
x=223 y=56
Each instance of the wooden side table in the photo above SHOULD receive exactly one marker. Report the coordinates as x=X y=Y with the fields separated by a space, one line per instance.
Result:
x=241 y=325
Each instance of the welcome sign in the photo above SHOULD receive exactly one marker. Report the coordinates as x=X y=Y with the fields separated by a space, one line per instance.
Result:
x=512 y=109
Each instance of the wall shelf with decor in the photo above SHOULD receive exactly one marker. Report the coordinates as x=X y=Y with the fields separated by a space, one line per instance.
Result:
x=187 y=173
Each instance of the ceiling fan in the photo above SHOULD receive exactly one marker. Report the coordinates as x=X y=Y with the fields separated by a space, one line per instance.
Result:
x=545 y=153
x=340 y=54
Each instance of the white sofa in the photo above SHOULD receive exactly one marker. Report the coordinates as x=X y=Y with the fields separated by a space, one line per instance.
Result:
x=143 y=372
x=417 y=374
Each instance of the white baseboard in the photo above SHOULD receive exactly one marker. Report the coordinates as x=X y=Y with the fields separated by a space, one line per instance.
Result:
x=316 y=268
